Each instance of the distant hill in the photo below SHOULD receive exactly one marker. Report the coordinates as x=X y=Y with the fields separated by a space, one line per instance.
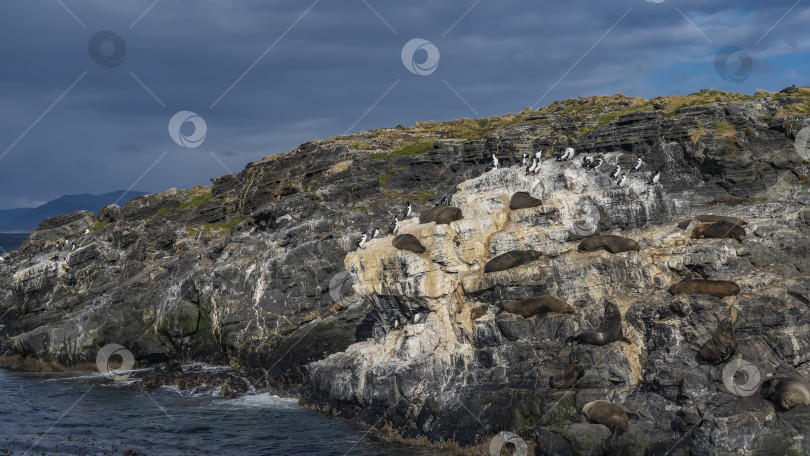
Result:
x=27 y=219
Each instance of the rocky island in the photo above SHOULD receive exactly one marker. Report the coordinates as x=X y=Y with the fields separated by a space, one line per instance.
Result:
x=634 y=343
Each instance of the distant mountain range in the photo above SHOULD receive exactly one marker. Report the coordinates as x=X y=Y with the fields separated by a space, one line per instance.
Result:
x=28 y=218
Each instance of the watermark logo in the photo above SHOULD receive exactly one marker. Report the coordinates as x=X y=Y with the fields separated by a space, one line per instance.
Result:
x=120 y=373
x=429 y=57
x=192 y=139
x=588 y=222
x=801 y=143
x=733 y=64
x=753 y=378
x=107 y=49
x=341 y=291
x=497 y=443
x=656 y=1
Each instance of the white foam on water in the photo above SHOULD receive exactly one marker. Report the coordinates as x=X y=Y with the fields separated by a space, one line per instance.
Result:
x=263 y=400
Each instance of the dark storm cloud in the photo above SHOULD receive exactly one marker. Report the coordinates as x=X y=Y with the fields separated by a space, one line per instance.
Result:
x=326 y=72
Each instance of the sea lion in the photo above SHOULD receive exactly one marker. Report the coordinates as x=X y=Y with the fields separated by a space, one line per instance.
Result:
x=574 y=373
x=724 y=229
x=511 y=259
x=441 y=215
x=478 y=312
x=609 y=242
x=609 y=331
x=712 y=218
x=408 y=242
x=609 y=414
x=722 y=345
x=523 y=200
x=788 y=392
x=716 y=288
x=539 y=305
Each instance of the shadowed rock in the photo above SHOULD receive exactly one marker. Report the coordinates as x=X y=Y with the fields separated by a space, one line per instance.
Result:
x=523 y=200
x=510 y=260
x=408 y=242
x=574 y=373
x=110 y=213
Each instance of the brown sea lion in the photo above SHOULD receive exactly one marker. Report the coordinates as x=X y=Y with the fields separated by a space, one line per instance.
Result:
x=609 y=331
x=441 y=215
x=609 y=414
x=539 y=305
x=711 y=218
x=511 y=259
x=609 y=242
x=788 y=392
x=723 y=230
x=478 y=312
x=716 y=288
x=574 y=373
x=408 y=242
x=523 y=200
x=697 y=231
x=722 y=345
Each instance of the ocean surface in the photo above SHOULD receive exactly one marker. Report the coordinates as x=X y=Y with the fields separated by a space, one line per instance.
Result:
x=89 y=414
x=11 y=241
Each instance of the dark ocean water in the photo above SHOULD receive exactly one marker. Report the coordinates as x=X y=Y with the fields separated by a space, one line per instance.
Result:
x=92 y=415
x=10 y=241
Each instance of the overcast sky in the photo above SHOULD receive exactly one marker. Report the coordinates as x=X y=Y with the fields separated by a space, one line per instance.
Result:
x=267 y=75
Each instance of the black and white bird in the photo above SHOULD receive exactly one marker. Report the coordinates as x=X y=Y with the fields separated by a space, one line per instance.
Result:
x=525 y=159
x=616 y=173
x=623 y=181
x=586 y=161
x=407 y=213
x=494 y=161
x=535 y=167
x=87 y=231
x=595 y=164
x=445 y=201
x=529 y=168
x=567 y=154
x=637 y=166
x=654 y=179
x=394 y=227
x=361 y=244
x=375 y=234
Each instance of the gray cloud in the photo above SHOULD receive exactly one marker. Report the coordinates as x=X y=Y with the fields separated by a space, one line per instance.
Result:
x=329 y=69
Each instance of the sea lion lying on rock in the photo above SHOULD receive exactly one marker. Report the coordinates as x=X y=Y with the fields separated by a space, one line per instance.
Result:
x=720 y=230
x=787 y=392
x=609 y=414
x=442 y=215
x=609 y=242
x=716 y=288
x=722 y=345
x=609 y=331
x=712 y=218
x=523 y=200
x=539 y=305
x=408 y=242
x=574 y=373
x=510 y=260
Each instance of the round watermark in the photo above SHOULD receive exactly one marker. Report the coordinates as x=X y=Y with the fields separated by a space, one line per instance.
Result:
x=122 y=372
x=753 y=378
x=733 y=64
x=801 y=143
x=588 y=223
x=191 y=139
x=497 y=443
x=428 y=60
x=341 y=291
x=107 y=49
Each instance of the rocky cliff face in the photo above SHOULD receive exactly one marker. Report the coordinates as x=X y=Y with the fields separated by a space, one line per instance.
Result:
x=251 y=272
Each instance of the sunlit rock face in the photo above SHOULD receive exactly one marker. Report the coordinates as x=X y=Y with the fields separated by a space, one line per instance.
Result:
x=244 y=273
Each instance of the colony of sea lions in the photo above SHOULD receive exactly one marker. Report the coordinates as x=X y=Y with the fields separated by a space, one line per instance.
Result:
x=539 y=305
x=722 y=345
x=609 y=242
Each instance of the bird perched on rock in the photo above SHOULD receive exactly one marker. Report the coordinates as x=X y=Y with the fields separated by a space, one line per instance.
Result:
x=538 y=155
x=654 y=179
x=87 y=231
x=594 y=166
x=361 y=244
x=616 y=174
x=525 y=159
x=394 y=226
x=637 y=166
x=494 y=164
x=407 y=213
x=586 y=161
x=623 y=181
x=445 y=201
x=567 y=154
x=376 y=233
